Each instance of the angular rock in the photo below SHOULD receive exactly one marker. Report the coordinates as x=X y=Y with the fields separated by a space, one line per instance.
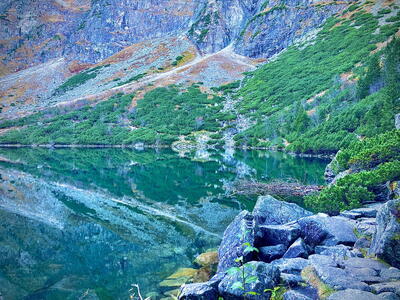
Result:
x=363 y=212
x=390 y=274
x=291 y=265
x=339 y=279
x=362 y=243
x=305 y=293
x=338 y=252
x=389 y=296
x=267 y=235
x=240 y=231
x=198 y=291
x=267 y=278
x=297 y=249
x=366 y=226
x=270 y=253
x=328 y=231
x=357 y=262
x=351 y=294
x=317 y=259
x=386 y=240
x=270 y=211
x=392 y=287
x=291 y=279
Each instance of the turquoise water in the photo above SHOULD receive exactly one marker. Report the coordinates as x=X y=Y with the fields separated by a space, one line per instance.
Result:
x=87 y=223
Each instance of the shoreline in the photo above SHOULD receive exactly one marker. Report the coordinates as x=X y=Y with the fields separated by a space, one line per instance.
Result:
x=142 y=147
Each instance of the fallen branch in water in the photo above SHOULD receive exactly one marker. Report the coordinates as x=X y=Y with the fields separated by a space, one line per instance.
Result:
x=275 y=188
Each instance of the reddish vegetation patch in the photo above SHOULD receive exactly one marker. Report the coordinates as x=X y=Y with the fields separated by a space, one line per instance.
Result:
x=76 y=66
x=52 y=18
x=312 y=99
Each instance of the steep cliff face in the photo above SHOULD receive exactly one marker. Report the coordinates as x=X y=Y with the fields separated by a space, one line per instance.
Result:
x=258 y=28
x=91 y=30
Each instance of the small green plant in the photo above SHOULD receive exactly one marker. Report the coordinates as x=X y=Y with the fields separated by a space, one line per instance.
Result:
x=276 y=293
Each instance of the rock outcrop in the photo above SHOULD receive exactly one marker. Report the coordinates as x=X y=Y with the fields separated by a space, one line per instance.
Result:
x=315 y=257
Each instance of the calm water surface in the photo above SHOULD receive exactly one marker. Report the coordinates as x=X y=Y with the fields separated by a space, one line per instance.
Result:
x=87 y=223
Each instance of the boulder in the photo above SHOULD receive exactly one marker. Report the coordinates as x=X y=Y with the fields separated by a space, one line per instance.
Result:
x=339 y=279
x=270 y=253
x=240 y=231
x=269 y=235
x=317 y=259
x=270 y=211
x=338 y=252
x=386 y=241
x=392 y=287
x=266 y=276
x=322 y=229
x=390 y=274
x=297 y=249
x=358 y=262
x=363 y=212
x=362 y=243
x=291 y=279
x=351 y=294
x=389 y=296
x=291 y=265
x=198 y=291
x=304 y=293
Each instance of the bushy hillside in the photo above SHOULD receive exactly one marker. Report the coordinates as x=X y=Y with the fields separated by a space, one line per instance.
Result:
x=319 y=95
x=324 y=95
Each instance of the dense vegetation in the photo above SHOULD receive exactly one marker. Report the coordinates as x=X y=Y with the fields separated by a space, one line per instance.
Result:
x=160 y=117
x=320 y=98
x=373 y=162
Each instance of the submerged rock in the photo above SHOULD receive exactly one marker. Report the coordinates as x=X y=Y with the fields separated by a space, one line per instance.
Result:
x=270 y=211
x=207 y=259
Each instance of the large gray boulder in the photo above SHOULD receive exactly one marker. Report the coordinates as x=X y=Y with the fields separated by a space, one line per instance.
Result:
x=264 y=276
x=322 y=229
x=386 y=241
x=270 y=211
x=240 y=231
x=304 y=293
x=291 y=265
x=270 y=235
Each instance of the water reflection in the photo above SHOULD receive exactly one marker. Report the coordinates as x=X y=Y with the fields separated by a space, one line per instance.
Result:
x=76 y=221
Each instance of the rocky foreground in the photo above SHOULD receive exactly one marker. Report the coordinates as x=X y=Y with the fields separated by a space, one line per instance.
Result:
x=282 y=249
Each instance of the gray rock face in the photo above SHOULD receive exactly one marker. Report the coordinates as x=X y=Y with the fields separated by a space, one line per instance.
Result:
x=386 y=240
x=267 y=278
x=338 y=252
x=390 y=274
x=391 y=287
x=351 y=294
x=270 y=253
x=270 y=211
x=240 y=231
x=297 y=249
x=85 y=30
x=397 y=121
x=357 y=262
x=325 y=230
x=198 y=291
x=389 y=296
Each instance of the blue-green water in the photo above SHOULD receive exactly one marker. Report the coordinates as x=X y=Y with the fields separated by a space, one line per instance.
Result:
x=90 y=222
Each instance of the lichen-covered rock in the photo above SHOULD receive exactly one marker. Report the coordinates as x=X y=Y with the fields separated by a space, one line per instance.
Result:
x=265 y=276
x=386 y=240
x=270 y=211
x=304 y=293
x=240 y=231
x=291 y=265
